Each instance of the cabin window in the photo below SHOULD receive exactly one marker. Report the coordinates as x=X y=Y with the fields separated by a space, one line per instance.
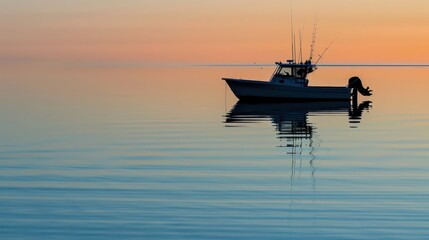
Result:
x=286 y=71
x=302 y=72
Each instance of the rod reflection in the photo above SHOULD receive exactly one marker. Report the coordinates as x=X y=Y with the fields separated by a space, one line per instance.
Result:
x=291 y=121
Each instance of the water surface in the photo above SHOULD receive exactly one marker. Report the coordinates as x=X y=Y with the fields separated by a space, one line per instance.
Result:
x=92 y=152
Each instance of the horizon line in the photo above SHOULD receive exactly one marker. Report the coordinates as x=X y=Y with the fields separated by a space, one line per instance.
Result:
x=101 y=63
x=316 y=65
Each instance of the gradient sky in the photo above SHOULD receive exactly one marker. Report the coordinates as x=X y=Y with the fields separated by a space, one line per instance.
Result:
x=221 y=31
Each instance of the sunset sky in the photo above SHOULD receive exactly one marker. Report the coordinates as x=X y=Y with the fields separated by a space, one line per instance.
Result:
x=221 y=31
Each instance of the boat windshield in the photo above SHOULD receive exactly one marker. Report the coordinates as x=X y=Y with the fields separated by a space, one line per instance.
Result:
x=285 y=71
x=298 y=72
x=292 y=70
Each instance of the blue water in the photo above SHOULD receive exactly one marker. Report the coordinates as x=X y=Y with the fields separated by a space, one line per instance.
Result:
x=136 y=154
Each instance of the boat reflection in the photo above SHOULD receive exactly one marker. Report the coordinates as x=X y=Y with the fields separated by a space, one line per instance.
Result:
x=355 y=112
x=291 y=120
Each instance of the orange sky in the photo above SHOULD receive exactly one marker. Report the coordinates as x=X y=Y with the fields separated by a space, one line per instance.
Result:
x=192 y=31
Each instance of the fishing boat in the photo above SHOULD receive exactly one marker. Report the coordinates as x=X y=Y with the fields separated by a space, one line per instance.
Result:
x=289 y=83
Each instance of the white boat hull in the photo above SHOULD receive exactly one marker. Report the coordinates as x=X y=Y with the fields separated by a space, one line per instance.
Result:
x=259 y=90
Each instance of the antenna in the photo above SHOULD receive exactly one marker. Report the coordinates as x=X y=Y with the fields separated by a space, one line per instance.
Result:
x=313 y=41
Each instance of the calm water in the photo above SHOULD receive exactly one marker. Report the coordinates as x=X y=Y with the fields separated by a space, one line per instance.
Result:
x=108 y=152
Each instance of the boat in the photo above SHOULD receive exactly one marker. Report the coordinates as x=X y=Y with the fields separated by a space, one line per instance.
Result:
x=289 y=83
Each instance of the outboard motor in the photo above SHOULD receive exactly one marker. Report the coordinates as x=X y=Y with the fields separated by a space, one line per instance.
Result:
x=356 y=84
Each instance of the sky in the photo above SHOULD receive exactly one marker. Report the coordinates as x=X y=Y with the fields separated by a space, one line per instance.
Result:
x=221 y=31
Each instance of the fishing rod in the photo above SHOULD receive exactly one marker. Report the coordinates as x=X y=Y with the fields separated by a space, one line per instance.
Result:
x=313 y=40
x=292 y=33
x=323 y=53
x=300 y=46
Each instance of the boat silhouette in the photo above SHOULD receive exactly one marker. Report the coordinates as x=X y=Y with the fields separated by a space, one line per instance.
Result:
x=289 y=83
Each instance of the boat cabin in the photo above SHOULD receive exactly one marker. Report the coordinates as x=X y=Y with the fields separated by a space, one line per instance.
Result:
x=292 y=74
